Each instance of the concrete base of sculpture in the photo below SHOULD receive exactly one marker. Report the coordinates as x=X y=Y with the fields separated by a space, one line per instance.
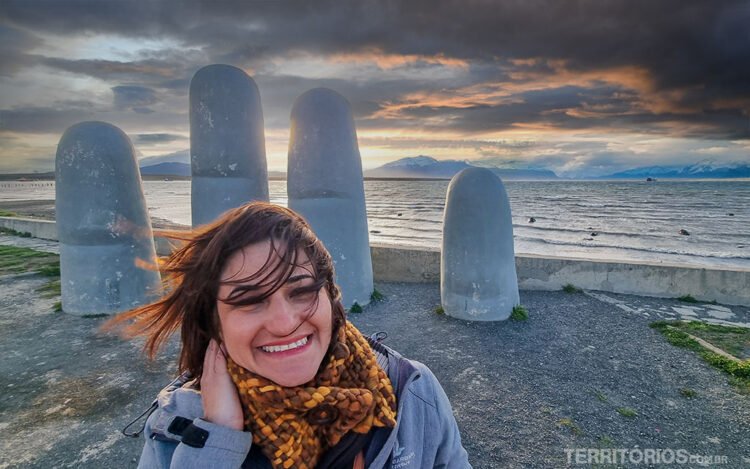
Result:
x=98 y=280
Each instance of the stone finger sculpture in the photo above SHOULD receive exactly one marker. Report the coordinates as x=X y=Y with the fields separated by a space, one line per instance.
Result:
x=107 y=256
x=227 y=147
x=478 y=279
x=325 y=185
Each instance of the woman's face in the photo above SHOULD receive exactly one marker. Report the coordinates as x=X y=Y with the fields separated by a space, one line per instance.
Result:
x=281 y=339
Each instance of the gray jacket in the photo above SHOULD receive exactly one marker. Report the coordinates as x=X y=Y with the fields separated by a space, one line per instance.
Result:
x=426 y=434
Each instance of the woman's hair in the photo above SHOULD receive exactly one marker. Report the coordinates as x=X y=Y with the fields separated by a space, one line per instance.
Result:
x=192 y=275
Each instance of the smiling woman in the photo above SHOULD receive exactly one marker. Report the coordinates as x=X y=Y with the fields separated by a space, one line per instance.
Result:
x=273 y=375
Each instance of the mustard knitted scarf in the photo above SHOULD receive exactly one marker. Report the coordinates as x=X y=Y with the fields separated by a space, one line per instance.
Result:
x=295 y=426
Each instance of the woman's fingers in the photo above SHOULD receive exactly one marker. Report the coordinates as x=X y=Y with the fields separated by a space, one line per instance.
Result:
x=221 y=403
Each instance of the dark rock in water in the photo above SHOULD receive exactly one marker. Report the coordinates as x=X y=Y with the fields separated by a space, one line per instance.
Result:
x=374 y=231
x=650 y=179
x=590 y=228
x=594 y=233
x=730 y=214
x=588 y=239
x=740 y=246
x=399 y=214
x=532 y=219
x=684 y=233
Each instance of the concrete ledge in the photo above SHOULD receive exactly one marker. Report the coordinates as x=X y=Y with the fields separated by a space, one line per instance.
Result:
x=43 y=229
x=420 y=265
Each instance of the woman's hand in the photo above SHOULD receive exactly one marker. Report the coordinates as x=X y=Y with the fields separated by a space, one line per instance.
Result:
x=221 y=403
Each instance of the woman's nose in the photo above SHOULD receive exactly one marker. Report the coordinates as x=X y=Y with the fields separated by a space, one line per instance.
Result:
x=284 y=318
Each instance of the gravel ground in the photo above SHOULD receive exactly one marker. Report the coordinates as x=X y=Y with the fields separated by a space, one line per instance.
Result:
x=522 y=392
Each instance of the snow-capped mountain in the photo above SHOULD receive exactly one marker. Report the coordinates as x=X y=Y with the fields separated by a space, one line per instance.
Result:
x=427 y=167
x=703 y=169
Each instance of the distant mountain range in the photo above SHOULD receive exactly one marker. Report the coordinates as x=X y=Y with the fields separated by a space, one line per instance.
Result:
x=702 y=170
x=428 y=167
x=183 y=170
x=423 y=167
x=166 y=169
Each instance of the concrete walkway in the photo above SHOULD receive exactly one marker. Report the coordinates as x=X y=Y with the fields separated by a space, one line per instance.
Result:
x=523 y=392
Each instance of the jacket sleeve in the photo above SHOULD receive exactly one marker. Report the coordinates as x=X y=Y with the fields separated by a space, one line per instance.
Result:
x=450 y=452
x=224 y=448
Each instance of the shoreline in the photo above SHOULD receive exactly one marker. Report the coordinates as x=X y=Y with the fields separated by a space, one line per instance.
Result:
x=44 y=209
x=534 y=272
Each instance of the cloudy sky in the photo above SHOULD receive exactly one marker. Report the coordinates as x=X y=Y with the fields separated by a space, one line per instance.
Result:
x=584 y=87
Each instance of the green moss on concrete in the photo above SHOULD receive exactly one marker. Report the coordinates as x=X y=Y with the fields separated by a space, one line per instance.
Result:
x=570 y=288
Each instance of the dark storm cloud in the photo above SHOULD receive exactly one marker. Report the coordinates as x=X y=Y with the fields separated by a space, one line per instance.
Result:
x=41 y=120
x=279 y=92
x=695 y=55
x=681 y=42
x=145 y=70
x=14 y=43
x=137 y=98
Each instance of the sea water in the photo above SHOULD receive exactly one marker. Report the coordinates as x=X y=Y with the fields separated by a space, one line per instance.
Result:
x=606 y=220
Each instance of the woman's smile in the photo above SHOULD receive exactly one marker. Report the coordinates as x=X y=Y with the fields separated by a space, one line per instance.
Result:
x=294 y=346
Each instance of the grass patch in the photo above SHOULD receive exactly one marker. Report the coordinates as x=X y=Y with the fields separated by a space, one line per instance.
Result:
x=606 y=441
x=6 y=213
x=12 y=232
x=376 y=296
x=570 y=288
x=50 y=289
x=687 y=299
x=15 y=260
x=571 y=425
x=732 y=340
x=57 y=307
x=519 y=313
x=51 y=270
x=440 y=310
x=689 y=393
x=356 y=308
x=627 y=412
x=600 y=395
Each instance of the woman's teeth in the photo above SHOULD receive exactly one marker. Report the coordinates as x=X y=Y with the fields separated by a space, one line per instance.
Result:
x=281 y=348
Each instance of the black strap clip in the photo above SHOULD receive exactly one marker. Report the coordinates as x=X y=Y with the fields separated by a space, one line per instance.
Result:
x=191 y=435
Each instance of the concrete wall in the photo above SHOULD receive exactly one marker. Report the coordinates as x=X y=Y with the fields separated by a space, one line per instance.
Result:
x=400 y=264
x=43 y=229
x=419 y=265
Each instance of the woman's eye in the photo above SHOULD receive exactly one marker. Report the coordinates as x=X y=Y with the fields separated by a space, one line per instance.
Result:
x=250 y=307
x=304 y=296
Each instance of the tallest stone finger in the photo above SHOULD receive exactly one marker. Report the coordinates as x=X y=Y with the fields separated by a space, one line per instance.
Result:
x=227 y=147
x=325 y=185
